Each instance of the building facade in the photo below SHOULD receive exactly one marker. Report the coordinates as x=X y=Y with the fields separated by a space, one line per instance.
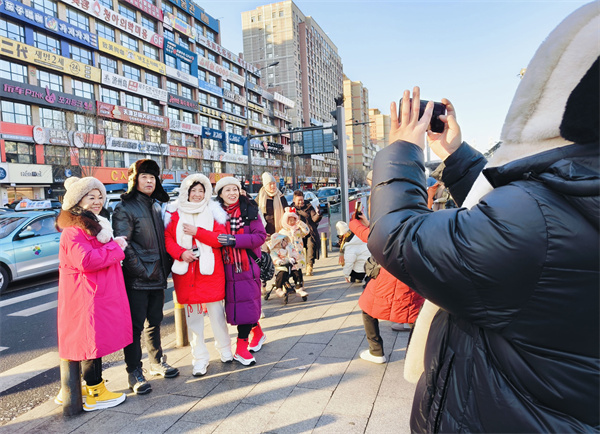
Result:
x=359 y=148
x=379 y=128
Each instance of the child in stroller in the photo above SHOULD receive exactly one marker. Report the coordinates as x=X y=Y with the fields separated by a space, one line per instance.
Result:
x=284 y=257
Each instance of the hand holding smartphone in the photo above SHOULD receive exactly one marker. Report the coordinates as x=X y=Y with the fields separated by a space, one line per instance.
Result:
x=436 y=125
x=358 y=210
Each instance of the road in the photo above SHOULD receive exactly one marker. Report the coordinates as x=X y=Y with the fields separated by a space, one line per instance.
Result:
x=29 y=373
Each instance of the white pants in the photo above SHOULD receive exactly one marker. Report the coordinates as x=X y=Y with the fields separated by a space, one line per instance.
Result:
x=195 y=324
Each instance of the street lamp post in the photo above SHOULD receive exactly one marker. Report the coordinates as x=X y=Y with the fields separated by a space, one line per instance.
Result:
x=250 y=176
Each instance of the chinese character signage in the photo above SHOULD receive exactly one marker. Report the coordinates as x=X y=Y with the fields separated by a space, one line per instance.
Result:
x=124 y=83
x=203 y=40
x=45 y=97
x=183 y=103
x=132 y=56
x=29 y=54
x=178 y=151
x=215 y=68
x=39 y=19
x=134 y=116
x=136 y=146
x=191 y=8
x=232 y=96
x=185 y=127
x=236 y=139
x=209 y=87
x=181 y=53
x=181 y=26
x=182 y=76
x=119 y=21
x=147 y=7
x=210 y=133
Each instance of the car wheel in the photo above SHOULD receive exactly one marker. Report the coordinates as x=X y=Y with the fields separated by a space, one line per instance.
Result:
x=4 y=278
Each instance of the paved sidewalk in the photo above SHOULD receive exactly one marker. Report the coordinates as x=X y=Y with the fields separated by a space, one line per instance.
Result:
x=308 y=378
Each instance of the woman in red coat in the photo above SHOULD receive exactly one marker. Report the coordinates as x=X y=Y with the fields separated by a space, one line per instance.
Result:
x=198 y=275
x=93 y=310
x=385 y=298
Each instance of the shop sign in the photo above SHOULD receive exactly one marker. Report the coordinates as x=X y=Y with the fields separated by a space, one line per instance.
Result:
x=263 y=127
x=45 y=97
x=136 y=146
x=178 y=151
x=27 y=173
x=124 y=83
x=274 y=163
x=283 y=100
x=203 y=40
x=333 y=180
x=182 y=76
x=232 y=96
x=215 y=68
x=123 y=53
x=167 y=175
x=29 y=54
x=210 y=133
x=172 y=22
x=128 y=115
x=111 y=175
x=180 y=175
x=16 y=138
x=185 y=127
x=236 y=139
x=191 y=8
x=259 y=161
x=281 y=115
x=218 y=155
x=183 y=103
x=47 y=22
x=194 y=153
x=182 y=54
x=61 y=173
x=50 y=136
x=209 y=87
x=147 y=7
x=119 y=21
x=255 y=107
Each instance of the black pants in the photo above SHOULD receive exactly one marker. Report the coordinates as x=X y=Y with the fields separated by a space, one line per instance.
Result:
x=373 y=337
x=244 y=330
x=312 y=250
x=357 y=276
x=91 y=371
x=144 y=305
x=297 y=276
x=280 y=278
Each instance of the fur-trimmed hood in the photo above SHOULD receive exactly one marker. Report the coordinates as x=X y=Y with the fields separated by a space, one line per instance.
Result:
x=144 y=166
x=66 y=220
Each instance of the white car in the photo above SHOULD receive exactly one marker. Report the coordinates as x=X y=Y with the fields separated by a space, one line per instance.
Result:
x=309 y=197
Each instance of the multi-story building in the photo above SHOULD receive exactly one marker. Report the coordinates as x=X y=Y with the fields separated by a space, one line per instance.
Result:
x=359 y=149
x=309 y=70
x=379 y=129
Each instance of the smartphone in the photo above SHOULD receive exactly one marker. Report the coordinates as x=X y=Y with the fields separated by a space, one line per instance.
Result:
x=195 y=251
x=358 y=210
x=436 y=125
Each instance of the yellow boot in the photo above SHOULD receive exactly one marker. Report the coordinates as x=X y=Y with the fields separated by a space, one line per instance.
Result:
x=98 y=397
x=59 y=398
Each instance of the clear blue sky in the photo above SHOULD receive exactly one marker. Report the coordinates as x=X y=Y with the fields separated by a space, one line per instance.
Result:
x=470 y=52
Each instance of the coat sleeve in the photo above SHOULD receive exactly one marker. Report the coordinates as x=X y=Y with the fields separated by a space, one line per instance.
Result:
x=479 y=264
x=123 y=225
x=253 y=237
x=210 y=237
x=84 y=257
x=462 y=169
x=314 y=215
x=359 y=229
x=174 y=249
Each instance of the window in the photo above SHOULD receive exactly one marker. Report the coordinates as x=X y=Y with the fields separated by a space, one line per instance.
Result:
x=127 y=12
x=108 y=64
x=46 y=43
x=56 y=154
x=203 y=98
x=149 y=23
x=131 y=72
x=182 y=16
x=153 y=108
x=212 y=79
x=186 y=67
x=152 y=80
x=176 y=163
x=78 y=19
x=50 y=118
x=129 y=42
x=89 y=157
x=167 y=8
x=206 y=167
x=85 y=124
x=184 y=42
x=110 y=96
x=133 y=102
x=170 y=61
x=107 y=3
x=186 y=92
x=82 y=88
x=192 y=164
x=173 y=113
x=169 y=35
x=214 y=102
x=154 y=135
x=16 y=112
x=13 y=71
x=12 y=31
x=112 y=128
x=226 y=64
x=215 y=124
x=105 y=31
x=202 y=75
x=204 y=121
x=227 y=106
x=187 y=117
x=281 y=14
x=114 y=159
x=46 y=6
x=50 y=80
x=135 y=132
x=210 y=35
x=150 y=51
x=81 y=55
x=17 y=152
x=211 y=56
x=236 y=89
x=172 y=87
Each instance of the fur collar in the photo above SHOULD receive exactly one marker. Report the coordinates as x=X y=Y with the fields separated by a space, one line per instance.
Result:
x=66 y=220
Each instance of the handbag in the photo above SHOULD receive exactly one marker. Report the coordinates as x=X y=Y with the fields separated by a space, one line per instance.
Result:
x=265 y=263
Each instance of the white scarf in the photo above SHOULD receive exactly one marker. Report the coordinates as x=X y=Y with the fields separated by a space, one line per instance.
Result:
x=106 y=234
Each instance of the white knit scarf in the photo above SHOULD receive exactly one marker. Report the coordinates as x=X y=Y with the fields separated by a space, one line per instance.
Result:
x=106 y=234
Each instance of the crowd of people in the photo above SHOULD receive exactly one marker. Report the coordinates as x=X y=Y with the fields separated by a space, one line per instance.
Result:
x=495 y=263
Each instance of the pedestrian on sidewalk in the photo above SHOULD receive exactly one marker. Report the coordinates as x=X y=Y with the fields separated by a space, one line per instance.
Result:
x=272 y=203
x=146 y=267
x=295 y=230
x=283 y=258
x=194 y=223
x=515 y=270
x=384 y=298
x=311 y=217
x=93 y=311
x=354 y=253
x=244 y=231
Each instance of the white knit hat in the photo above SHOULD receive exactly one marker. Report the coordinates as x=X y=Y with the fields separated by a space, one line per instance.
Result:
x=267 y=178
x=228 y=180
x=342 y=227
x=77 y=188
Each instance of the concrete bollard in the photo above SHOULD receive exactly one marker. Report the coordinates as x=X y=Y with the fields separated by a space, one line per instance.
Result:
x=324 y=244
x=70 y=383
x=181 y=331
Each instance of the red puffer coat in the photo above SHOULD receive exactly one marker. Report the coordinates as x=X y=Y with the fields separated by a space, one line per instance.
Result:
x=386 y=297
x=193 y=287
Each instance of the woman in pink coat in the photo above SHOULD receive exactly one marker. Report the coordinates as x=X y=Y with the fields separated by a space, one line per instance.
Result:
x=93 y=311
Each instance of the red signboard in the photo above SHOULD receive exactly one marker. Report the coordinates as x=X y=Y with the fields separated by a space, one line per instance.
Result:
x=178 y=151
x=124 y=114
x=147 y=7
x=110 y=175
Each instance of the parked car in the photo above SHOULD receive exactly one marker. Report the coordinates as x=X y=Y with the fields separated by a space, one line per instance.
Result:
x=29 y=244
x=309 y=196
x=329 y=194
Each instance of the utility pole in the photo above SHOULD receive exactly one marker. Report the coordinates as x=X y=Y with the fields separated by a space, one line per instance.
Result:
x=293 y=159
x=341 y=133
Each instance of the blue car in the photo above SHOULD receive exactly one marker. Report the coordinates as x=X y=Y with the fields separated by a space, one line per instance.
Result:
x=29 y=244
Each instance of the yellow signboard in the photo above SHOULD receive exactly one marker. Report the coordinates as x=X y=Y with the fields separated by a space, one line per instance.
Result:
x=131 y=56
x=29 y=54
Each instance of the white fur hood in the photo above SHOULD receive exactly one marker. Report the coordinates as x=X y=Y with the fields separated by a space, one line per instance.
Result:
x=219 y=214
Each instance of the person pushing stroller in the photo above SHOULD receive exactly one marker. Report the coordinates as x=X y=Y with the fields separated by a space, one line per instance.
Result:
x=284 y=258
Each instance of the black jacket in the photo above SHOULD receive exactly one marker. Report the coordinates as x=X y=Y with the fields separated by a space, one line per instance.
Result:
x=147 y=264
x=515 y=345
x=312 y=218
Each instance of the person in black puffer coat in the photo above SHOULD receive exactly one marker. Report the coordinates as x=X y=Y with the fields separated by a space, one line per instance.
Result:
x=514 y=346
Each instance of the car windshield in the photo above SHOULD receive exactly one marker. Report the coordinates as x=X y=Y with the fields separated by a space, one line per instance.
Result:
x=289 y=197
x=327 y=192
x=8 y=224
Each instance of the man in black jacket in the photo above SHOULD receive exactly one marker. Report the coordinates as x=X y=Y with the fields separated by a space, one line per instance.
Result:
x=145 y=269
x=311 y=217
x=515 y=345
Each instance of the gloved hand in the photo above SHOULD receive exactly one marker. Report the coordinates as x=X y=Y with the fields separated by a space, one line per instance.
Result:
x=292 y=261
x=226 y=240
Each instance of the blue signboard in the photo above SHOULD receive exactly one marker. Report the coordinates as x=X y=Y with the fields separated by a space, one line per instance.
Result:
x=193 y=9
x=316 y=142
x=211 y=133
x=39 y=19
x=236 y=139
x=209 y=87
x=181 y=53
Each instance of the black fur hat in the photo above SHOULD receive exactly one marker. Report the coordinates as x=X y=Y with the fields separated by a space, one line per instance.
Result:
x=145 y=166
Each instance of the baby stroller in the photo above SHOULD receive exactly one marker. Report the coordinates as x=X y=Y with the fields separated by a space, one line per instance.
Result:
x=282 y=280
x=283 y=259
